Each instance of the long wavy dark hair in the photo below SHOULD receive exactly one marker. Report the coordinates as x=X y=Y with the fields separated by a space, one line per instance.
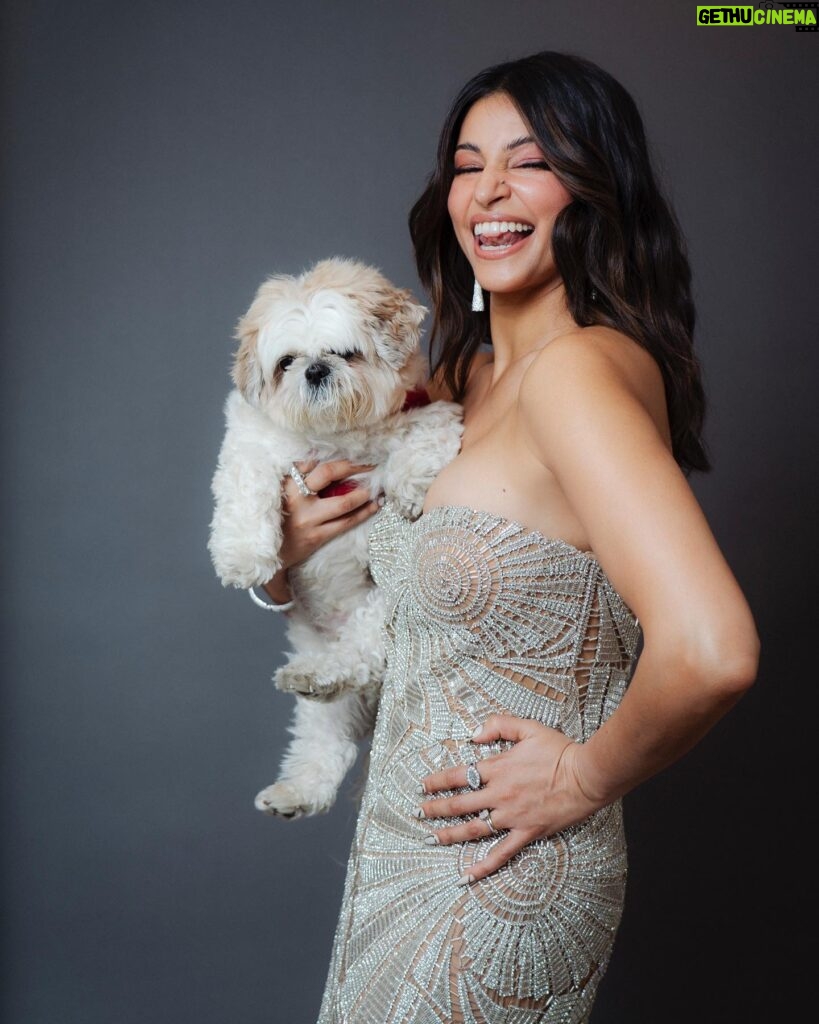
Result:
x=618 y=237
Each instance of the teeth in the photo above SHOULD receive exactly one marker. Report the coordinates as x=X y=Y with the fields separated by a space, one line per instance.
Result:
x=497 y=227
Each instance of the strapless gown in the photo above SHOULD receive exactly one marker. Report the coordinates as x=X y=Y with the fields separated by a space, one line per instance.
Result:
x=483 y=616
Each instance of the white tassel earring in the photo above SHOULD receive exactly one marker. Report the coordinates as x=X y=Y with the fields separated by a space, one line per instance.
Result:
x=477 y=298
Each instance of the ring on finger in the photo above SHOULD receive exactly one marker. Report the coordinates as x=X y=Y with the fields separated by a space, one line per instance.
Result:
x=473 y=776
x=487 y=817
x=301 y=483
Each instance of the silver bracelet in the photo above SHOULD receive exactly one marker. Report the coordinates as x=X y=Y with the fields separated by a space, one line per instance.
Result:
x=269 y=606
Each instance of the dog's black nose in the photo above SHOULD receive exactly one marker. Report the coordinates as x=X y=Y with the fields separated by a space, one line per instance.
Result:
x=316 y=372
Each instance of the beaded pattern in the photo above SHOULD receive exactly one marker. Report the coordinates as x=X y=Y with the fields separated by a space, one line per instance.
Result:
x=483 y=616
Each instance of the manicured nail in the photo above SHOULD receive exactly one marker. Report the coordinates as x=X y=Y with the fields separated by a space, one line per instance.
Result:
x=477 y=732
x=380 y=501
x=432 y=840
x=465 y=880
x=419 y=789
x=419 y=812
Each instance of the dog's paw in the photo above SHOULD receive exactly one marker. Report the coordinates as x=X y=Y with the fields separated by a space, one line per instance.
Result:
x=410 y=505
x=292 y=679
x=286 y=800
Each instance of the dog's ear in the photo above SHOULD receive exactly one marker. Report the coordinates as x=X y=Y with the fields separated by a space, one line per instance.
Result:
x=247 y=373
x=399 y=319
x=247 y=366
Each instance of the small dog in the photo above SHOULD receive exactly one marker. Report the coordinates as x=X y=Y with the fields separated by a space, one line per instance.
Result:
x=323 y=369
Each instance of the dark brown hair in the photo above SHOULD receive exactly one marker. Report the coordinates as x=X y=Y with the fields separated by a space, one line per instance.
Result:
x=618 y=238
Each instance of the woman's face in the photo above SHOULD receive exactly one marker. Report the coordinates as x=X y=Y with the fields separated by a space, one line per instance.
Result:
x=504 y=199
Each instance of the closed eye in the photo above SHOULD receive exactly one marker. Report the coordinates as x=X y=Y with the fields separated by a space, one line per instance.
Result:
x=539 y=165
x=351 y=354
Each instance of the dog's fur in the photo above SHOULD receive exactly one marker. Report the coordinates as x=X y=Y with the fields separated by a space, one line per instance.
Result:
x=324 y=363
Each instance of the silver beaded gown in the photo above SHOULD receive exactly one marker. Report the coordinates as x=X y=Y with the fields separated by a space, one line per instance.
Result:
x=483 y=616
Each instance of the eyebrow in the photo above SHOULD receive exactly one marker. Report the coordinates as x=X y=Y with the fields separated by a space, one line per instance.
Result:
x=514 y=144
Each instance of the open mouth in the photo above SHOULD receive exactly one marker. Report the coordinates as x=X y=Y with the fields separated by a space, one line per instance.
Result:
x=496 y=236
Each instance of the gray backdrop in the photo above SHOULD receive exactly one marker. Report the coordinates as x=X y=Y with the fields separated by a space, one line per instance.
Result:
x=163 y=157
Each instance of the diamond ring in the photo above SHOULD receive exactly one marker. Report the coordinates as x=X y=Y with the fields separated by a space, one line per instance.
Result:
x=487 y=817
x=301 y=482
x=473 y=776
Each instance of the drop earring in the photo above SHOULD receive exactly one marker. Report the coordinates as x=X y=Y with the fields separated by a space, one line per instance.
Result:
x=477 y=298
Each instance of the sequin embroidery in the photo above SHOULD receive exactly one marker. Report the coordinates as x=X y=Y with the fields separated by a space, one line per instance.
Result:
x=483 y=616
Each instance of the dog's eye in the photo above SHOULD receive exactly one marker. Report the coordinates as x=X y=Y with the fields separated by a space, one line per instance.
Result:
x=284 y=363
x=348 y=355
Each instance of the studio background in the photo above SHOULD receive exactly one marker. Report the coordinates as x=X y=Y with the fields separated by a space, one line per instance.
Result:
x=160 y=160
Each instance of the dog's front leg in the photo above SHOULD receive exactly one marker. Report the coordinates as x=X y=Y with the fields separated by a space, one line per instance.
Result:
x=322 y=751
x=430 y=439
x=245 y=532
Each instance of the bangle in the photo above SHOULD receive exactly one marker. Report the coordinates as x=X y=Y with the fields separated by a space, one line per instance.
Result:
x=269 y=606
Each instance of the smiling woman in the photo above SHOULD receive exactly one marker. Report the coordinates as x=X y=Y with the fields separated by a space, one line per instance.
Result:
x=503 y=199
x=607 y=230
x=487 y=875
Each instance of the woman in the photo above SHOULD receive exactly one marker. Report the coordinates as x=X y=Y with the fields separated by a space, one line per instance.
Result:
x=487 y=873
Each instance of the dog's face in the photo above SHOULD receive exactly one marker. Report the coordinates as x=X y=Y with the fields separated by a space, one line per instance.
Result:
x=333 y=349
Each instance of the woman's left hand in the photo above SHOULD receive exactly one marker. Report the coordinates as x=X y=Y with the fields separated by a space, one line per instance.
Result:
x=532 y=791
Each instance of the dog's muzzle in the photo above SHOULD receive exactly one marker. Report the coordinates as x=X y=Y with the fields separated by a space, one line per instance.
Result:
x=316 y=372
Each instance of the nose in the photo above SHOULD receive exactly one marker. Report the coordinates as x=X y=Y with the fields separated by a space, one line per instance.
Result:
x=490 y=187
x=316 y=372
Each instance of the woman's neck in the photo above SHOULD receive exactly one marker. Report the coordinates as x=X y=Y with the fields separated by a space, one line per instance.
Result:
x=520 y=324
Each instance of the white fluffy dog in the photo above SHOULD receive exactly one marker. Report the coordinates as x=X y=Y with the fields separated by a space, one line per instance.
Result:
x=323 y=369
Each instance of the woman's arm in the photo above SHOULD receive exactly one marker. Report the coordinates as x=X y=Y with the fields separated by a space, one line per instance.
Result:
x=585 y=419
x=310 y=521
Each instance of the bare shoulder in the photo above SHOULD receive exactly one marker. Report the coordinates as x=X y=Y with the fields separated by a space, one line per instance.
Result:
x=596 y=350
x=437 y=388
x=594 y=366
x=588 y=412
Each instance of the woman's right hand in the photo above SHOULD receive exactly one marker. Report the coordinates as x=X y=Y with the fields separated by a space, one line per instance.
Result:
x=309 y=521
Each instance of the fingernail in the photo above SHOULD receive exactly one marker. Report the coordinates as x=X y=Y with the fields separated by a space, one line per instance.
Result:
x=432 y=840
x=465 y=880
x=380 y=500
x=419 y=812
x=476 y=733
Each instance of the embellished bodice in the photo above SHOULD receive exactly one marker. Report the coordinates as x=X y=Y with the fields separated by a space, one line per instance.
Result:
x=482 y=616
x=503 y=617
